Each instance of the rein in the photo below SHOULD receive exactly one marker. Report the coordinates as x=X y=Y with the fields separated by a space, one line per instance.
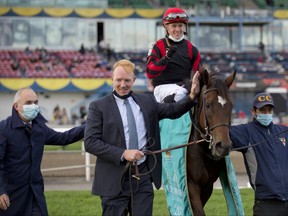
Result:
x=255 y=144
x=137 y=175
x=176 y=147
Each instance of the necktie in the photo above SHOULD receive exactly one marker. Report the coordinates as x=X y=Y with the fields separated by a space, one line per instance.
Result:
x=133 y=136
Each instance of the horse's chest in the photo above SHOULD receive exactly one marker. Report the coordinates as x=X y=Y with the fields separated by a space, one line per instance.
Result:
x=211 y=173
x=205 y=171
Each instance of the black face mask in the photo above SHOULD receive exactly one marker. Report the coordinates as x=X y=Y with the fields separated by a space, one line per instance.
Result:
x=122 y=97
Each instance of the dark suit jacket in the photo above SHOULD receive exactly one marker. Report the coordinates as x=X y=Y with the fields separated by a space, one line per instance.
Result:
x=20 y=161
x=104 y=137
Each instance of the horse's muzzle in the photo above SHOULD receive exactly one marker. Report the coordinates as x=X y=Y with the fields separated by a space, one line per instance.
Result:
x=220 y=150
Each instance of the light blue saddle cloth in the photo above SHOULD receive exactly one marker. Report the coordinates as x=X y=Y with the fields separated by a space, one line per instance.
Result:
x=176 y=132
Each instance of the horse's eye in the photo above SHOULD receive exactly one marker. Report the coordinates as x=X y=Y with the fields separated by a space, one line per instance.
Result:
x=207 y=105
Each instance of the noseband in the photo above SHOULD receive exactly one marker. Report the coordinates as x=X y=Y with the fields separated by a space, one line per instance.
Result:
x=207 y=135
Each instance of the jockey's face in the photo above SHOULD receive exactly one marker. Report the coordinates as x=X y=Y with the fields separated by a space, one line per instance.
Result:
x=176 y=30
x=122 y=81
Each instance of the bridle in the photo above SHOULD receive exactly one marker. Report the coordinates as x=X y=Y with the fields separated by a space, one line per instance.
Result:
x=208 y=129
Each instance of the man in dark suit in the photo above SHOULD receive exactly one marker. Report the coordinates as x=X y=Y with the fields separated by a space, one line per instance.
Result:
x=107 y=137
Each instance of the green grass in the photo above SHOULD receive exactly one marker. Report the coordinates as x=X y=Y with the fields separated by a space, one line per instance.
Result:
x=73 y=146
x=82 y=203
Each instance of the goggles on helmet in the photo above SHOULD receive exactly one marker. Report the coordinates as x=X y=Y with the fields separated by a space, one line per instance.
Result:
x=173 y=16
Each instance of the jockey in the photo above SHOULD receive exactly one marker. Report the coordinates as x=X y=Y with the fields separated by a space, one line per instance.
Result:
x=172 y=59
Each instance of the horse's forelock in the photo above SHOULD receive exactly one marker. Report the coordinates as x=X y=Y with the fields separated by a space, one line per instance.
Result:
x=217 y=80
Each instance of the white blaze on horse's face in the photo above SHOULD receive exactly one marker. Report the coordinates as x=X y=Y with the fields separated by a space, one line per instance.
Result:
x=221 y=100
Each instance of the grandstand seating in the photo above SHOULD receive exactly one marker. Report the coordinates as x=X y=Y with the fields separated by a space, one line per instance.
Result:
x=231 y=3
x=275 y=4
x=129 y=3
x=139 y=4
x=52 y=64
x=251 y=65
x=117 y=3
x=169 y=3
x=41 y=63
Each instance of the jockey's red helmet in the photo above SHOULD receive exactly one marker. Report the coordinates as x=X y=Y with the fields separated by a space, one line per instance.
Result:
x=173 y=15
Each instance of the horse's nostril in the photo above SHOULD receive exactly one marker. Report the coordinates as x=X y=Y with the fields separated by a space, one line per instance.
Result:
x=222 y=149
x=219 y=146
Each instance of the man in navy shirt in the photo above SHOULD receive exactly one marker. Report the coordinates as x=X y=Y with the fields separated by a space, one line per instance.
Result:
x=264 y=147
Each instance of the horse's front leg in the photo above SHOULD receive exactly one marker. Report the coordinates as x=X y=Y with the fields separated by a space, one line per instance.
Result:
x=195 y=199
x=206 y=193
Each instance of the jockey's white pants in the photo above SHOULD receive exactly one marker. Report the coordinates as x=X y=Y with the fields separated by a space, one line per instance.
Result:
x=162 y=91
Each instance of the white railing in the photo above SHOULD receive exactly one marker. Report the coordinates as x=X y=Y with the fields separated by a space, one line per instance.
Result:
x=87 y=165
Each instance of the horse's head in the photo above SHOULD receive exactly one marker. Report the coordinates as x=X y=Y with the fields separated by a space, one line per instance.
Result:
x=213 y=112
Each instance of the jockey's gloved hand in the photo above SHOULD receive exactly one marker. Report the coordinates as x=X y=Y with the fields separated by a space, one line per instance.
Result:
x=169 y=98
x=170 y=51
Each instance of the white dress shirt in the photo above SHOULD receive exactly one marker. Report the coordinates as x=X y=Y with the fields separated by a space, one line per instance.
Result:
x=139 y=120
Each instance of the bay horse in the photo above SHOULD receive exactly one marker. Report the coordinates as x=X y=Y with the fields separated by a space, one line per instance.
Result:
x=211 y=119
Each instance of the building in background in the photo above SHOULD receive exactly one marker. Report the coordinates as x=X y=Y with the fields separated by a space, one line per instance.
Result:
x=227 y=33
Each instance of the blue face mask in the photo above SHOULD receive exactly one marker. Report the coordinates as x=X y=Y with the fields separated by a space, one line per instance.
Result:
x=30 y=111
x=264 y=119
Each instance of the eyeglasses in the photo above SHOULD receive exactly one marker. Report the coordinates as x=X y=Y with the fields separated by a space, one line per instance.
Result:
x=173 y=16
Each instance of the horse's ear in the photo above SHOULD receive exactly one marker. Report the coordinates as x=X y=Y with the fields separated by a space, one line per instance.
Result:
x=229 y=80
x=204 y=74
